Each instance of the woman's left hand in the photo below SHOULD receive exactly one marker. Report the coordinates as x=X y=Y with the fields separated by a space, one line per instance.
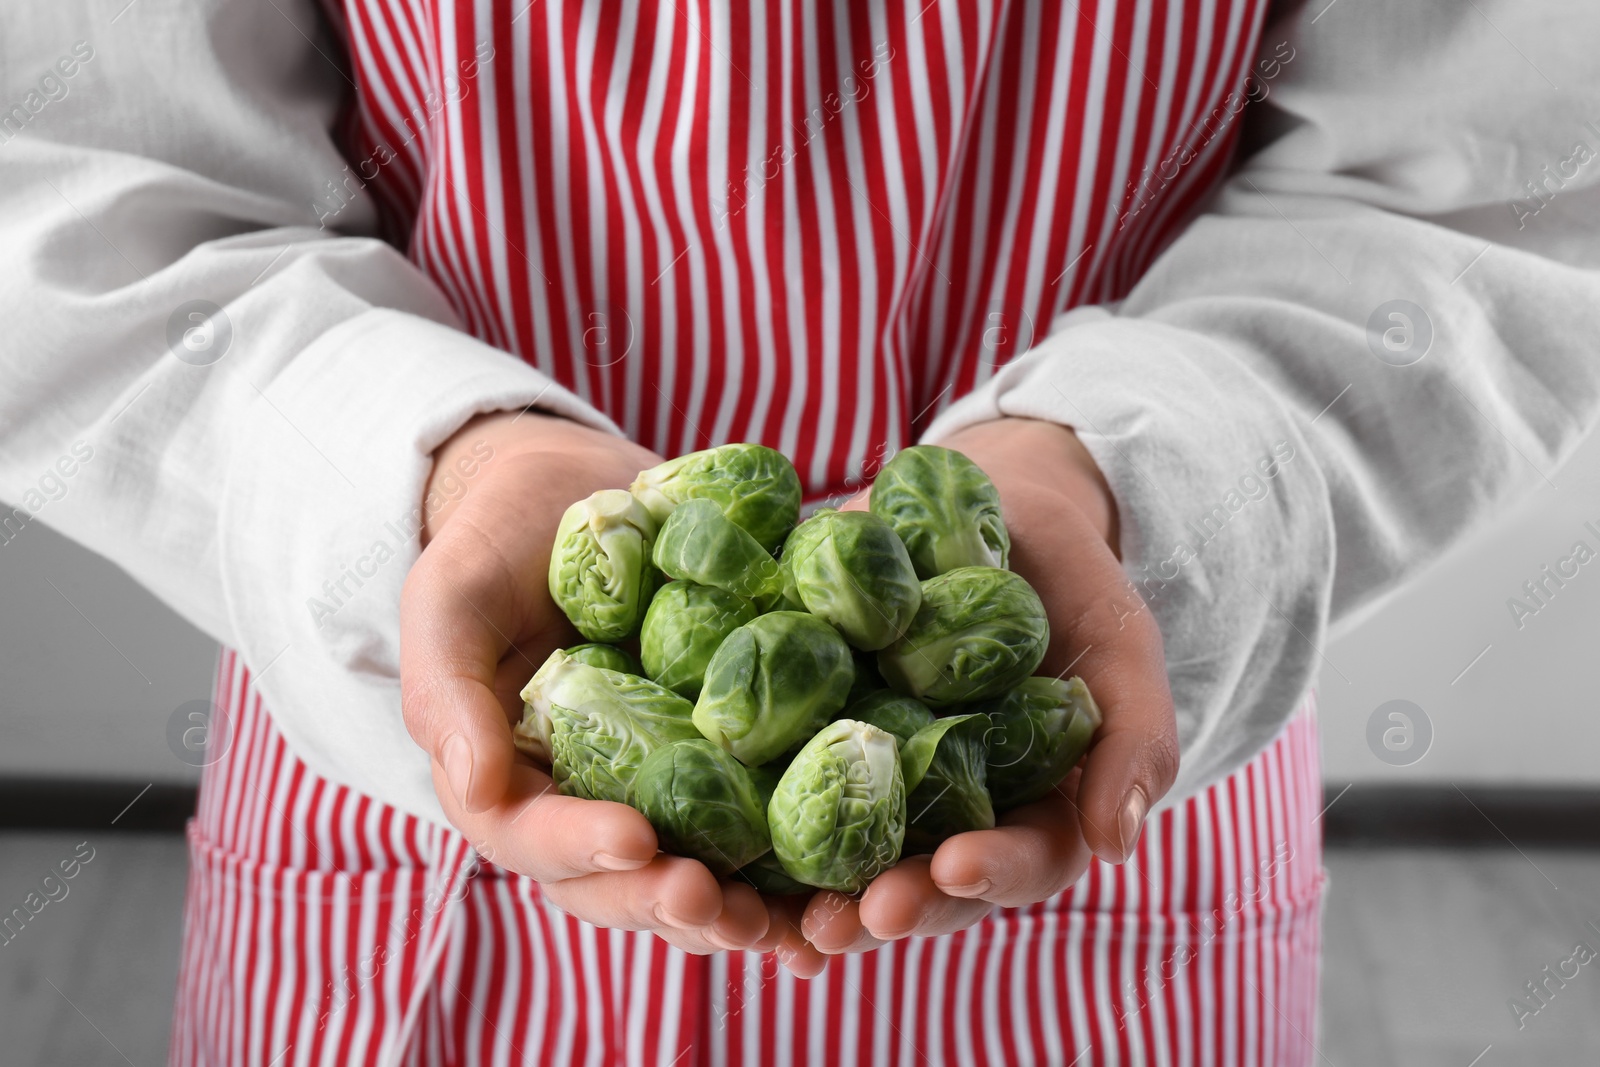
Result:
x=1063 y=525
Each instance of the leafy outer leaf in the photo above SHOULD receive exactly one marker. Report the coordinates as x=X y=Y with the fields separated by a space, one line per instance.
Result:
x=595 y=726
x=850 y=568
x=756 y=487
x=944 y=508
x=600 y=571
x=945 y=767
x=702 y=804
x=683 y=628
x=701 y=544
x=838 y=817
x=979 y=632
x=773 y=682
x=612 y=658
x=1039 y=731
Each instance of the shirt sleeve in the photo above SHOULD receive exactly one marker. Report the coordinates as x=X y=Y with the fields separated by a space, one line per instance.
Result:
x=1378 y=333
x=230 y=395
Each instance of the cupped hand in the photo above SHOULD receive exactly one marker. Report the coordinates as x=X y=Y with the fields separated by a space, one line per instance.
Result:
x=1063 y=524
x=476 y=620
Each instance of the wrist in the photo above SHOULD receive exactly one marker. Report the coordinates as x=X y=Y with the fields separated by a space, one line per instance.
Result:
x=1031 y=455
x=506 y=440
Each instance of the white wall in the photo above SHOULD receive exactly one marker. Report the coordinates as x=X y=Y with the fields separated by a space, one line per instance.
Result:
x=70 y=703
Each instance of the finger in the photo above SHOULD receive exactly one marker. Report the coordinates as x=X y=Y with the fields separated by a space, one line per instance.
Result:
x=741 y=925
x=832 y=922
x=670 y=891
x=744 y=919
x=1035 y=853
x=536 y=831
x=859 y=502
x=785 y=942
x=1102 y=631
x=904 y=901
x=455 y=613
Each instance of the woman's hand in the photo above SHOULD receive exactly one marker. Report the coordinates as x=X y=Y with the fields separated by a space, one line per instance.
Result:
x=476 y=620
x=1063 y=525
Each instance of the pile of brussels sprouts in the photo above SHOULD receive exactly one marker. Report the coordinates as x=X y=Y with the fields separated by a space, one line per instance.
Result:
x=809 y=701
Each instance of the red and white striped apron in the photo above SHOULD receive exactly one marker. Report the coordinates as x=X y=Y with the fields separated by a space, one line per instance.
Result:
x=324 y=928
x=810 y=225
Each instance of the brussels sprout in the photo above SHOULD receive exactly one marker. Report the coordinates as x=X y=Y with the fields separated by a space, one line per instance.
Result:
x=600 y=572
x=867 y=679
x=767 y=875
x=891 y=713
x=838 y=818
x=701 y=544
x=610 y=657
x=849 y=568
x=703 y=805
x=979 y=632
x=685 y=624
x=595 y=726
x=1038 y=732
x=755 y=486
x=773 y=682
x=946 y=781
x=944 y=508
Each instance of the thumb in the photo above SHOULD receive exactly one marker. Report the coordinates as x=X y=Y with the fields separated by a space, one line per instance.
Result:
x=1135 y=755
x=449 y=650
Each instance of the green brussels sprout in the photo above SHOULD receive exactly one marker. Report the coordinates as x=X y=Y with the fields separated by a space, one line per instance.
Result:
x=754 y=486
x=849 y=568
x=979 y=632
x=892 y=713
x=703 y=805
x=1038 y=732
x=610 y=657
x=600 y=573
x=944 y=508
x=684 y=626
x=946 y=774
x=766 y=875
x=838 y=818
x=773 y=682
x=596 y=726
x=702 y=545
x=867 y=679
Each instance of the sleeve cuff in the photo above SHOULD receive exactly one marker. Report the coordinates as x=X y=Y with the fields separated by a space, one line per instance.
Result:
x=1225 y=526
x=320 y=521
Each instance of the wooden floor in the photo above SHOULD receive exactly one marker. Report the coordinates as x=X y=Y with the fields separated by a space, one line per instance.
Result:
x=1423 y=952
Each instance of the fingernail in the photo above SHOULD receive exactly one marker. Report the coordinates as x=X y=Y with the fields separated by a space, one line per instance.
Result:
x=716 y=937
x=456 y=755
x=666 y=917
x=975 y=889
x=1134 y=807
x=607 y=862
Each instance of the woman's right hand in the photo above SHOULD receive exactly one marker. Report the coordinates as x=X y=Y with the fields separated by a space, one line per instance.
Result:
x=476 y=620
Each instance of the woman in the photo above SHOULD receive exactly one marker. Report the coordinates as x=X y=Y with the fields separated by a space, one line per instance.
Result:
x=835 y=229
